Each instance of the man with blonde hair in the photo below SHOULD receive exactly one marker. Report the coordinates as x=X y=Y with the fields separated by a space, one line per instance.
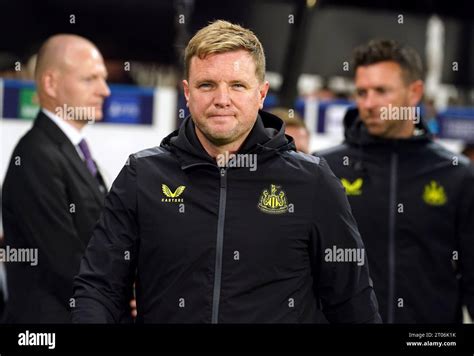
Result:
x=225 y=222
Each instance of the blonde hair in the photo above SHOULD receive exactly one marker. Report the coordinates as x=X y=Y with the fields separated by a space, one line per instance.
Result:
x=220 y=37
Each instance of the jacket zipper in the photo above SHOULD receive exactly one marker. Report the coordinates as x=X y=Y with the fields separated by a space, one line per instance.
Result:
x=391 y=236
x=219 y=247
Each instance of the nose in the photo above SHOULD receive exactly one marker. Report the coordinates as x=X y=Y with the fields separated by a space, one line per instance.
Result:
x=222 y=96
x=103 y=89
x=369 y=101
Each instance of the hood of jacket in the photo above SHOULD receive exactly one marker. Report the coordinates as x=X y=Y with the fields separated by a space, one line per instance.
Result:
x=356 y=133
x=266 y=138
x=357 y=136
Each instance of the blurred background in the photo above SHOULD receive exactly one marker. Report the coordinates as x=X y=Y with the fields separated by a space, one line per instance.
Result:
x=308 y=47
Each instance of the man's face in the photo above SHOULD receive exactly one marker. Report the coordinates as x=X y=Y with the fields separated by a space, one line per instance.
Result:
x=81 y=82
x=224 y=95
x=377 y=86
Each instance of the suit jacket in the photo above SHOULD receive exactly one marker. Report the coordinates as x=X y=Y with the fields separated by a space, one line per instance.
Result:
x=50 y=202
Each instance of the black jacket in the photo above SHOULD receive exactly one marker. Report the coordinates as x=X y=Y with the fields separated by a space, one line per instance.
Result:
x=413 y=201
x=51 y=202
x=224 y=244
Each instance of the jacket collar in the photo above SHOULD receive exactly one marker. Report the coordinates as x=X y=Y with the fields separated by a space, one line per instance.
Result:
x=55 y=134
x=356 y=133
x=74 y=135
x=50 y=128
x=267 y=136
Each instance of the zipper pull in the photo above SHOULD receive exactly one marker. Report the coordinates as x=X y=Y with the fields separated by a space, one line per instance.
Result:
x=223 y=177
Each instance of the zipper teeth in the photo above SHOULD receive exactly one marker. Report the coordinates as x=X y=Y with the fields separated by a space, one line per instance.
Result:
x=391 y=239
x=219 y=247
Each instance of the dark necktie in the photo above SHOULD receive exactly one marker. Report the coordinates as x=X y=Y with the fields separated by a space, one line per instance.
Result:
x=88 y=157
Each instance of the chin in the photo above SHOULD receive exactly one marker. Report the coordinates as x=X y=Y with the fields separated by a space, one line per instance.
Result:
x=375 y=130
x=220 y=138
x=221 y=131
x=98 y=115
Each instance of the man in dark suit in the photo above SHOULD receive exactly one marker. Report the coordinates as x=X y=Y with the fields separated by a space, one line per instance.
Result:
x=53 y=192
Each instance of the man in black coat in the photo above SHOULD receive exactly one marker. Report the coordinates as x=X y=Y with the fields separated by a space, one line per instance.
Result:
x=413 y=200
x=53 y=191
x=225 y=222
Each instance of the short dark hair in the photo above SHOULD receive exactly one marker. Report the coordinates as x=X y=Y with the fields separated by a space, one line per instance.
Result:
x=376 y=51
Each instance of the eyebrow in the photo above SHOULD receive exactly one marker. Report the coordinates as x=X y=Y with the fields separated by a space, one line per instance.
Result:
x=199 y=81
x=105 y=74
x=234 y=81
x=377 y=87
x=238 y=81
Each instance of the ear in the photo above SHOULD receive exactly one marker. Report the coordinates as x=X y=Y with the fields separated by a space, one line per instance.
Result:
x=263 y=90
x=186 y=90
x=49 y=82
x=415 y=92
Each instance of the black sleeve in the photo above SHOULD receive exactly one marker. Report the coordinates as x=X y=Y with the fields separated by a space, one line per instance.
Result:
x=105 y=280
x=465 y=231
x=36 y=196
x=343 y=285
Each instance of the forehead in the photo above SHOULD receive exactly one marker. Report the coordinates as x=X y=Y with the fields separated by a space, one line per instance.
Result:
x=379 y=74
x=85 y=59
x=227 y=65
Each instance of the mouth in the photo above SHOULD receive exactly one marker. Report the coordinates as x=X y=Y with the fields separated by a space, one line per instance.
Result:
x=221 y=117
x=221 y=114
x=372 y=119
